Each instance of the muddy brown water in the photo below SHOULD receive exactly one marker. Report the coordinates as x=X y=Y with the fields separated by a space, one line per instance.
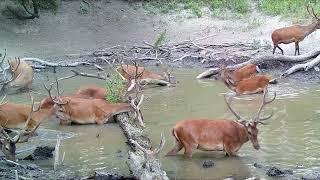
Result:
x=290 y=140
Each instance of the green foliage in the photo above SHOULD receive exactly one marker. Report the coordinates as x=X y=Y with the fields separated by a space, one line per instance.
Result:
x=42 y=4
x=161 y=39
x=115 y=89
x=84 y=7
x=238 y=6
x=162 y=6
x=165 y=6
x=49 y=5
x=289 y=8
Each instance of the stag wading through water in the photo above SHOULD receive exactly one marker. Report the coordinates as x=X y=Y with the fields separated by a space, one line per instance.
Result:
x=295 y=33
x=218 y=134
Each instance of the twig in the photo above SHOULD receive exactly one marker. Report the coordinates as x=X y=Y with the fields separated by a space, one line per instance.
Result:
x=16 y=174
x=50 y=64
x=90 y=75
x=56 y=156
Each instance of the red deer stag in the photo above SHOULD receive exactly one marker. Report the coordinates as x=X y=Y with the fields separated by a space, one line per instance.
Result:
x=16 y=115
x=295 y=33
x=8 y=144
x=251 y=85
x=240 y=74
x=218 y=134
x=91 y=111
x=127 y=72
x=22 y=74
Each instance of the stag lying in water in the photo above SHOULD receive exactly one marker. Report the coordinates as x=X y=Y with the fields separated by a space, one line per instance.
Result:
x=132 y=72
x=21 y=73
x=218 y=134
x=250 y=85
x=240 y=74
x=78 y=110
x=17 y=115
x=8 y=143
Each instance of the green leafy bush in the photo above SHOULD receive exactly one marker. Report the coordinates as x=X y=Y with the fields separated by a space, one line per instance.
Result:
x=115 y=89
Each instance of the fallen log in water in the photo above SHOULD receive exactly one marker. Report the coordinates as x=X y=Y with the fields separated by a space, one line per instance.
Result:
x=142 y=161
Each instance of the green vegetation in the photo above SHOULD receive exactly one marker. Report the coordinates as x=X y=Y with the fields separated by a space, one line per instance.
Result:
x=289 y=8
x=161 y=39
x=29 y=9
x=196 y=6
x=115 y=89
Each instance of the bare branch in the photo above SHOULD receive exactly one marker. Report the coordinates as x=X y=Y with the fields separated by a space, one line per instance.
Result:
x=50 y=64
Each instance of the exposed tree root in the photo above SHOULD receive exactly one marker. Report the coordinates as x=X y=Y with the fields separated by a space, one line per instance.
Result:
x=267 y=58
x=305 y=66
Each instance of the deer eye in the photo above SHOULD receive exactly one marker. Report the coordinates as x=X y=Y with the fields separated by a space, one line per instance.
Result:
x=249 y=133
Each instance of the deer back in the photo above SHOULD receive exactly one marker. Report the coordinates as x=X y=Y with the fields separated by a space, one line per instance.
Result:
x=15 y=115
x=126 y=70
x=253 y=84
x=92 y=91
x=244 y=72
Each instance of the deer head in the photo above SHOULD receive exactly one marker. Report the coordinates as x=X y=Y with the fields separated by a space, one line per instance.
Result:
x=59 y=104
x=251 y=125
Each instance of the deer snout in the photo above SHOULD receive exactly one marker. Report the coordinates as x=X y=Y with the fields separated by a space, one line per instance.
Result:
x=256 y=146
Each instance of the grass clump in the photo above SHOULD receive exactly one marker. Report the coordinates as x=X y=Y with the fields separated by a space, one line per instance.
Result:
x=196 y=6
x=115 y=89
x=238 y=6
x=289 y=8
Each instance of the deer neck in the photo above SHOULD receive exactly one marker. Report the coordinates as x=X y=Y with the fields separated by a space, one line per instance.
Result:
x=243 y=133
x=308 y=29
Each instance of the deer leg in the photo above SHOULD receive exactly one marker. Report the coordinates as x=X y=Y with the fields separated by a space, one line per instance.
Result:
x=187 y=150
x=229 y=148
x=274 y=49
x=280 y=49
x=177 y=147
x=297 y=48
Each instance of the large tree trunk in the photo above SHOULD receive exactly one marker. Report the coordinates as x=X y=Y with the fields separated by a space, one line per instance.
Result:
x=142 y=162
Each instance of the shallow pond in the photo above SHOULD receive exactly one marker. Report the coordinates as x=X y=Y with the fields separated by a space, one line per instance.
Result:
x=290 y=140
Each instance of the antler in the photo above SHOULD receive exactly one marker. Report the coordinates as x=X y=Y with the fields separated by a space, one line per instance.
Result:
x=312 y=12
x=148 y=153
x=12 y=72
x=48 y=89
x=133 y=79
x=137 y=110
x=4 y=57
x=257 y=117
x=239 y=118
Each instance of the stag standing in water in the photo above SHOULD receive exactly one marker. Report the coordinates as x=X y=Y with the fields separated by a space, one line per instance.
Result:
x=218 y=134
x=295 y=33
